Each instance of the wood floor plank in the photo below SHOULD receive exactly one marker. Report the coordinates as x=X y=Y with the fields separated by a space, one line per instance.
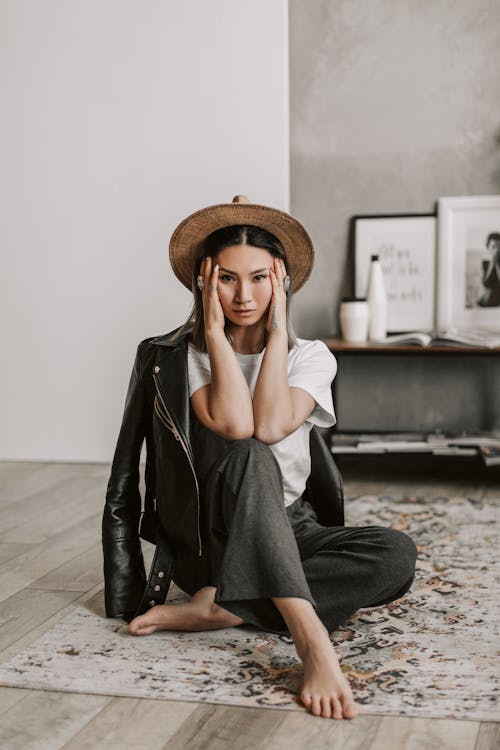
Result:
x=50 y=611
x=9 y=696
x=20 y=613
x=488 y=737
x=46 y=513
x=46 y=720
x=132 y=724
x=12 y=550
x=18 y=468
x=405 y=733
x=78 y=574
x=491 y=488
x=18 y=482
x=225 y=728
x=389 y=478
x=18 y=471
x=41 y=559
x=417 y=488
x=84 y=571
x=303 y=730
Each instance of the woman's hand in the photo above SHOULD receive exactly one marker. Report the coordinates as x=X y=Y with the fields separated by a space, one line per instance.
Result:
x=277 y=308
x=224 y=405
x=212 y=308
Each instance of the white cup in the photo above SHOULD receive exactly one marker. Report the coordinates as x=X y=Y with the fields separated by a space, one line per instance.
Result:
x=354 y=316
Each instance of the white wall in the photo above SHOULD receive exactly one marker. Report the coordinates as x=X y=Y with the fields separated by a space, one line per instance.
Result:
x=119 y=118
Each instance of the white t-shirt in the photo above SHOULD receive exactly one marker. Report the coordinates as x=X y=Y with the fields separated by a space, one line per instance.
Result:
x=312 y=367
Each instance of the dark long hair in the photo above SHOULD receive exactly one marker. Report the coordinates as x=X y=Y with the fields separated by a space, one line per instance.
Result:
x=240 y=234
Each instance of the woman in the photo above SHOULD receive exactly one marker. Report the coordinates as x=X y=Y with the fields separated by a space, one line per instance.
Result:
x=242 y=471
x=491 y=273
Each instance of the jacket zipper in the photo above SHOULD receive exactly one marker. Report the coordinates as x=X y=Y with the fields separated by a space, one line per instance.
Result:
x=169 y=423
x=165 y=418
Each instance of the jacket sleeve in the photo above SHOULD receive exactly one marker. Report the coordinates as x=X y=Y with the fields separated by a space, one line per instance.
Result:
x=325 y=485
x=124 y=572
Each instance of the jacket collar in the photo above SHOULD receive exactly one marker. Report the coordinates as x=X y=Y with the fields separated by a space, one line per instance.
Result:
x=169 y=339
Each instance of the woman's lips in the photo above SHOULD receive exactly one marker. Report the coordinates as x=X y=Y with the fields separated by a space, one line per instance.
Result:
x=244 y=312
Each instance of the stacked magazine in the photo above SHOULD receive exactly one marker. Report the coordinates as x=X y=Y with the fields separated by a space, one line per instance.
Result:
x=485 y=445
x=479 y=338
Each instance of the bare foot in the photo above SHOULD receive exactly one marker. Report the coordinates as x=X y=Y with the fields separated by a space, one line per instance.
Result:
x=201 y=613
x=325 y=691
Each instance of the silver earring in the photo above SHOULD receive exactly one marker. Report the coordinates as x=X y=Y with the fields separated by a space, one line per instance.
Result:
x=287 y=283
x=200 y=282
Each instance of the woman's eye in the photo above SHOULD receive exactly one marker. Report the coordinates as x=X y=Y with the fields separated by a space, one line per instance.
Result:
x=260 y=276
x=226 y=277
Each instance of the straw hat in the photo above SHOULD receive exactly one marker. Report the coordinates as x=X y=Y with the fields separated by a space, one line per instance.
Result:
x=186 y=243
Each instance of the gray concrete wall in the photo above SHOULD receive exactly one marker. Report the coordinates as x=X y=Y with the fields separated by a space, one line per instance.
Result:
x=392 y=104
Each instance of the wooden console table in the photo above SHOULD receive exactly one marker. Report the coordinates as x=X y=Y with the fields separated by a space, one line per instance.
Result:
x=338 y=344
x=436 y=390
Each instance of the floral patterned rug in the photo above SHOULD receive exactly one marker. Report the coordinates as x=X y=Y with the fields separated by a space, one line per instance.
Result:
x=433 y=653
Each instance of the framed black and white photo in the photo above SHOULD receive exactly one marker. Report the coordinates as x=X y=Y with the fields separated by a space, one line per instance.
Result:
x=406 y=246
x=468 y=288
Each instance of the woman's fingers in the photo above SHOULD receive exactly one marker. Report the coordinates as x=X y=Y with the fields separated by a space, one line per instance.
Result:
x=277 y=311
x=210 y=274
x=280 y=270
x=281 y=267
x=207 y=269
x=214 y=278
x=214 y=315
x=277 y=273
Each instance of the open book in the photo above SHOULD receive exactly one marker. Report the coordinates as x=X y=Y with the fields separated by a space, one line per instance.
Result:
x=473 y=338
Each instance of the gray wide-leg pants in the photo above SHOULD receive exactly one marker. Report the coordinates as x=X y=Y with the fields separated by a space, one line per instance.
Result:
x=255 y=549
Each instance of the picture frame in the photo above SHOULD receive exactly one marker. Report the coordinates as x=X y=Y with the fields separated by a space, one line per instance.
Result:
x=468 y=283
x=406 y=246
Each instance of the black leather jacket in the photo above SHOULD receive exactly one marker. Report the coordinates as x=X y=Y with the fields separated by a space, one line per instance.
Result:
x=157 y=409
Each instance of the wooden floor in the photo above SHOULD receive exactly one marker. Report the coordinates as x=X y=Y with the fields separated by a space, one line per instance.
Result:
x=50 y=556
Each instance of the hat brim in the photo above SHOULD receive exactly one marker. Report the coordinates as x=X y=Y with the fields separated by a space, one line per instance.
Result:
x=186 y=243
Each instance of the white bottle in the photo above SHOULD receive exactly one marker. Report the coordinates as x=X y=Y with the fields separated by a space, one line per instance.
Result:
x=377 y=301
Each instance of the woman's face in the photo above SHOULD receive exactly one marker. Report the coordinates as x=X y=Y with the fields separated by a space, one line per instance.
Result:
x=494 y=248
x=244 y=286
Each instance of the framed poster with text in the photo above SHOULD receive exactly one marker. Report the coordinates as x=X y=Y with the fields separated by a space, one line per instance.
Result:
x=406 y=246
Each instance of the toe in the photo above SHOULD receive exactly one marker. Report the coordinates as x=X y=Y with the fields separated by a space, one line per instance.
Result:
x=316 y=706
x=306 y=699
x=337 y=708
x=350 y=709
x=137 y=624
x=326 y=708
x=146 y=630
x=133 y=627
